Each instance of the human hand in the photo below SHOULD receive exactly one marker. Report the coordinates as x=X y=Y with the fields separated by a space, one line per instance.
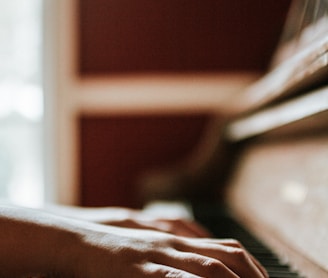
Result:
x=138 y=219
x=33 y=243
x=132 y=218
x=121 y=253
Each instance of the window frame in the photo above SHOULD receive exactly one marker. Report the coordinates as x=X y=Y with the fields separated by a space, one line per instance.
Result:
x=68 y=95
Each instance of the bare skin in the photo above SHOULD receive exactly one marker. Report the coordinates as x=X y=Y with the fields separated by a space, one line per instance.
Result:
x=131 y=218
x=37 y=243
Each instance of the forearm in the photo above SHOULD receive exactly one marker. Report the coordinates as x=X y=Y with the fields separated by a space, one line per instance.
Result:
x=32 y=242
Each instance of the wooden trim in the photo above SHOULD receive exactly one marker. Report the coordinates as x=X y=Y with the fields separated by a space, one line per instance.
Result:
x=159 y=93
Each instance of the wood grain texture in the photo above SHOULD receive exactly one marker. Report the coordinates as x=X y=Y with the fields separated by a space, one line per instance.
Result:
x=280 y=190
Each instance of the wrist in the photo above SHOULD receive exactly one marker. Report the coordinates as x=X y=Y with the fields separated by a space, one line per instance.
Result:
x=66 y=252
x=34 y=243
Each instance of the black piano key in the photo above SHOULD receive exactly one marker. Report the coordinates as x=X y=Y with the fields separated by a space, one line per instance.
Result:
x=282 y=274
x=223 y=225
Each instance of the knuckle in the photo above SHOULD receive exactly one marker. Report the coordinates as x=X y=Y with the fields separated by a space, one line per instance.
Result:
x=173 y=274
x=213 y=266
x=233 y=242
x=241 y=255
x=178 y=243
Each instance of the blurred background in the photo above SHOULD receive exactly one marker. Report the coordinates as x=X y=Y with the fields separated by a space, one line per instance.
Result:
x=94 y=93
x=21 y=101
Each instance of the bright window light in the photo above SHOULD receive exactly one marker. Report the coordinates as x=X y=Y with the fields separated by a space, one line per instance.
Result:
x=21 y=102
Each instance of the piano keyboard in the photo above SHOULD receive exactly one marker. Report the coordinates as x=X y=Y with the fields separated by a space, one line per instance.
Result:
x=218 y=221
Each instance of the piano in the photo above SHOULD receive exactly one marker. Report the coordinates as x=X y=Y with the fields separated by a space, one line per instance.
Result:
x=262 y=177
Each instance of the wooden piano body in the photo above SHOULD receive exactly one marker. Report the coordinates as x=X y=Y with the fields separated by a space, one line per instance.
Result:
x=272 y=154
x=279 y=190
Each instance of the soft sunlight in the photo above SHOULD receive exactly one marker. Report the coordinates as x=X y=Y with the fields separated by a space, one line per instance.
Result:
x=21 y=108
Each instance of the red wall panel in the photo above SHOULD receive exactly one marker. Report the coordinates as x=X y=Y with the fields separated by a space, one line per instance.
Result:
x=160 y=36
x=177 y=35
x=115 y=151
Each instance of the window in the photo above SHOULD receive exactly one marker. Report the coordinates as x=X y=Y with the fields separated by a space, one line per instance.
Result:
x=21 y=108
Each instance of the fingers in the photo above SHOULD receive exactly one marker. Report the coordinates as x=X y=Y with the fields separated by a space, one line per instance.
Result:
x=195 y=229
x=196 y=264
x=177 y=227
x=236 y=244
x=156 y=270
x=182 y=227
x=235 y=258
x=135 y=219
